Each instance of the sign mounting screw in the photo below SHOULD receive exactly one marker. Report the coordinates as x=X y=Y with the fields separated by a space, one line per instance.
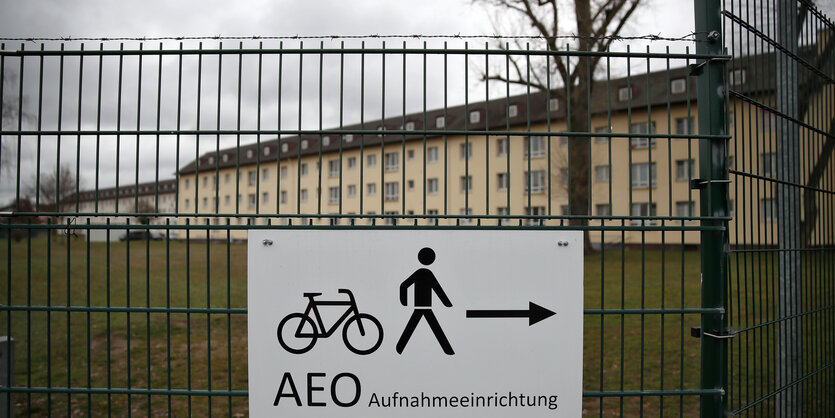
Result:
x=267 y=242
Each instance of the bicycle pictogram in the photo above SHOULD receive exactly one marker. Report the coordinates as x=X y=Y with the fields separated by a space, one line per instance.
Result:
x=362 y=333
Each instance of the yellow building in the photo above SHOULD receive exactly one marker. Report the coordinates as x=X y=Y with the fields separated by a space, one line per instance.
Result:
x=440 y=163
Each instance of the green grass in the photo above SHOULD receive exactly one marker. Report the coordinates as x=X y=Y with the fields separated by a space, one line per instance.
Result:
x=621 y=352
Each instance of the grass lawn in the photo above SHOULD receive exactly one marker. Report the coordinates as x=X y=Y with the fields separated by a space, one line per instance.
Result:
x=201 y=351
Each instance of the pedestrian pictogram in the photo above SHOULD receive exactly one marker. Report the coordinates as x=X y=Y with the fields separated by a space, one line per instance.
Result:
x=298 y=332
x=424 y=283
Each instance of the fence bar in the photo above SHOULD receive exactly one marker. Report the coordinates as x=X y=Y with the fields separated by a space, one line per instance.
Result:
x=6 y=376
x=714 y=196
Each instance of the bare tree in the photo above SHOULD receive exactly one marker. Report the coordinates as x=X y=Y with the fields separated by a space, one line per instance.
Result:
x=597 y=24
x=53 y=188
x=147 y=210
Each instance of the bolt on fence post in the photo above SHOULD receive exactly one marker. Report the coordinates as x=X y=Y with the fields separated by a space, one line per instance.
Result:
x=713 y=203
x=6 y=369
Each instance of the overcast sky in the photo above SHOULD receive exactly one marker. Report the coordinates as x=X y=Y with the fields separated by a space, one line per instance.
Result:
x=158 y=18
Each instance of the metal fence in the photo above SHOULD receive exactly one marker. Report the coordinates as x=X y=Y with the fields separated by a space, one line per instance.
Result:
x=136 y=170
x=780 y=266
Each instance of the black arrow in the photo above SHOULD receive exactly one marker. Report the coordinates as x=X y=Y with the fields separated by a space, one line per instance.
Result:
x=534 y=313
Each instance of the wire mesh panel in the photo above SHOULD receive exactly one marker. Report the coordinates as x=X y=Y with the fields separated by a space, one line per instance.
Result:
x=780 y=271
x=134 y=172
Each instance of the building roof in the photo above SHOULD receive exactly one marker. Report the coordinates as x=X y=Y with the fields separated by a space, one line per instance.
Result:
x=648 y=90
x=145 y=189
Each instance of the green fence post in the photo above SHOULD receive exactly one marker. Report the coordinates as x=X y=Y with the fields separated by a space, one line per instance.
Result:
x=714 y=203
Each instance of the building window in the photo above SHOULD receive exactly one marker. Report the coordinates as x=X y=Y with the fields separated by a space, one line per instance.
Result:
x=564 y=210
x=187 y=184
x=767 y=120
x=352 y=190
x=253 y=177
x=371 y=189
x=432 y=155
x=303 y=195
x=187 y=204
x=534 y=211
x=501 y=147
x=641 y=128
x=227 y=178
x=284 y=196
x=475 y=116
x=642 y=209
x=348 y=138
x=284 y=172
x=252 y=200
x=249 y=153
x=265 y=174
x=564 y=176
x=432 y=211
x=624 y=94
x=684 y=126
x=503 y=211
x=326 y=140
x=512 y=111
x=266 y=151
x=205 y=181
x=227 y=200
x=392 y=190
x=684 y=209
x=603 y=210
x=768 y=210
x=736 y=77
x=380 y=129
x=333 y=168
x=768 y=164
x=502 y=181
x=440 y=122
x=534 y=146
x=265 y=198
x=564 y=141
x=684 y=169
x=410 y=154
x=410 y=185
x=432 y=186
x=333 y=195
x=535 y=181
x=678 y=86
x=352 y=163
x=284 y=147
x=601 y=139
x=643 y=175
x=392 y=161
x=304 y=144
x=554 y=104
x=602 y=173
x=466 y=151
x=225 y=157
x=410 y=126
x=303 y=169
x=371 y=160
x=466 y=184
x=466 y=212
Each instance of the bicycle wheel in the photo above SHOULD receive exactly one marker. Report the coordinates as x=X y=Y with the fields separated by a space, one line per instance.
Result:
x=360 y=343
x=288 y=330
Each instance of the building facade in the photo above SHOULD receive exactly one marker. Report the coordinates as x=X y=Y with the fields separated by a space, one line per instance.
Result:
x=503 y=157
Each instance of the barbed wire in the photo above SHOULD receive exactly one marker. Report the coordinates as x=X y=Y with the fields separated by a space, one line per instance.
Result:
x=690 y=37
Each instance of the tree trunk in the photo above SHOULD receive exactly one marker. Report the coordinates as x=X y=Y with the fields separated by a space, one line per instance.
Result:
x=578 y=146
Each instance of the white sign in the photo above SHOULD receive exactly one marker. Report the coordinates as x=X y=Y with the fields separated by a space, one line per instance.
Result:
x=415 y=323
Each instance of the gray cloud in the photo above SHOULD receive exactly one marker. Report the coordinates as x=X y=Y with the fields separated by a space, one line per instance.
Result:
x=177 y=100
